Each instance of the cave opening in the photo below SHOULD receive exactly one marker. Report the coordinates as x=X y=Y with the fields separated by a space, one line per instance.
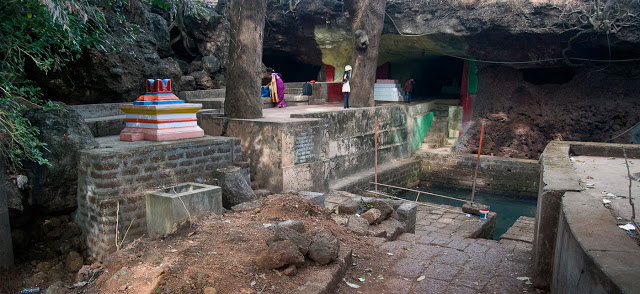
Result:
x=289 y=67
x=543 y=76
x=436 y=76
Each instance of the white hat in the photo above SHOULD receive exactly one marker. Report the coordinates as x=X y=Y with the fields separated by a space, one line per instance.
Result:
x=347 y=68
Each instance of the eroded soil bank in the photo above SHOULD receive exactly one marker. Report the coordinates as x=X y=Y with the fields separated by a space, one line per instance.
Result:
x=524 y=110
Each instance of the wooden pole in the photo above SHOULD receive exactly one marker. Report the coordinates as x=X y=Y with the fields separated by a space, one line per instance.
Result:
x=376 y=149
x=475 y=175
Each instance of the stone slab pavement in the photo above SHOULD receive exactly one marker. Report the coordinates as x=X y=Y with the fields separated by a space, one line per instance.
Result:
x=438 y=258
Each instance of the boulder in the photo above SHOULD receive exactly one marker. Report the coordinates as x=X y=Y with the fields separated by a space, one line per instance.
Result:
x=187 y=83
x=57 y=288
x=296 y=225
x=235 y=189
x=211 y=64
x=203 y=81
x=168 y=68
x=184 y=66
x=357 y=225
x=340 y=219
x=348 y=207
x=15 y=197
x=324 y=248
x=302 y=241
x=315 y=197
x=54 y=187
x=73 y=262
x=373 y=216
x=392 y=227
x=384 y=207
x=157 y=25
x=292 y=270
x=119 y=279
x=194 y=66
x=279 y=254
x=246 y=206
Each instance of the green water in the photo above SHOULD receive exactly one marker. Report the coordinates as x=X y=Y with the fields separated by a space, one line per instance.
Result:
x=508 y=207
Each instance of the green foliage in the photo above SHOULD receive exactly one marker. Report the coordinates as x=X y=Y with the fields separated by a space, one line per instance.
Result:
x=194 y=8
x=364 y=206
x=47 y=34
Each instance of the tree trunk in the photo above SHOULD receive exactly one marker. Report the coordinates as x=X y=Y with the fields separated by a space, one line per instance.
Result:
x=367 y=19
x=244 y=67
x=6 y=248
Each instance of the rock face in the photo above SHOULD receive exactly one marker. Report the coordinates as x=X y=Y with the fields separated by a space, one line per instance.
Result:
x=521 y=117
x=6 y=247
x=53 y=188
x=103 y=76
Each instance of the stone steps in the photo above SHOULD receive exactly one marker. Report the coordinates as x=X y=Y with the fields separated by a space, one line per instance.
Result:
x=445 y=126
x=104 y=119
x=191 y=96
x=387 y=92
x=439 y=126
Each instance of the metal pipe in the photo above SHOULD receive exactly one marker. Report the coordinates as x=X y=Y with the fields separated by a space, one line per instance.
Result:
x=475 y=175
x=419 y=203
x=376 y=150
x=396 y=187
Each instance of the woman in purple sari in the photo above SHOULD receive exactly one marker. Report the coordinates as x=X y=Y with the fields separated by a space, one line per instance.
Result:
x=277 y=89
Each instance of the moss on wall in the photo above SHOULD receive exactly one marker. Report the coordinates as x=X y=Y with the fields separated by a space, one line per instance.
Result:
x=421 y=126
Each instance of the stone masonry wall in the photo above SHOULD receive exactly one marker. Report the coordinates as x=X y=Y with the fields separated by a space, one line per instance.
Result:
x=351 y=136
x=118 y=174
x=494 y=173
x=401 y=175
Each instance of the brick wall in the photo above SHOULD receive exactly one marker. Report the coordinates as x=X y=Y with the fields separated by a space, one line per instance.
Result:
x=120 y=172
x=495 y=173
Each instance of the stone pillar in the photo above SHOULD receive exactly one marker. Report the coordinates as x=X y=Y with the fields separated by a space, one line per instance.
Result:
x=6 y=247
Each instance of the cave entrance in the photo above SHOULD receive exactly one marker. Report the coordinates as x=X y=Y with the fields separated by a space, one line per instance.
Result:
x=289 y=67
x=436 y=76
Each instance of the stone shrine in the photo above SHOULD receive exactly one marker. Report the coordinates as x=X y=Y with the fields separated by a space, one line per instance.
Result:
x=159 y=115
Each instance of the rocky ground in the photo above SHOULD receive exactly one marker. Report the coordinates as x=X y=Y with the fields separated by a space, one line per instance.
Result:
x=218 y=254
x=246 y=252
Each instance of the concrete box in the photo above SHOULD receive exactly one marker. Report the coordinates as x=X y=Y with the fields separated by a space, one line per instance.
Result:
x=169 y=207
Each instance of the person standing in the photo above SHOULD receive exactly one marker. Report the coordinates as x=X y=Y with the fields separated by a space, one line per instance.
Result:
x=346 y=88
x=408 y=89
x=276 y=87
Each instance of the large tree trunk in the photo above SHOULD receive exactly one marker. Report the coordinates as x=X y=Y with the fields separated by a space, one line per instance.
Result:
x=367 y=19
x=244 y=68
x=6 y=248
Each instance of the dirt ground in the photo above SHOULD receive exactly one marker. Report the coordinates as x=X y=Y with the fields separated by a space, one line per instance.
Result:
x=218 y=252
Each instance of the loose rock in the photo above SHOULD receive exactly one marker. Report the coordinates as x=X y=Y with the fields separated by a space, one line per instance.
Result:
x=324 y=248
x=358 y=225
x=279 y=254
x=372 y=216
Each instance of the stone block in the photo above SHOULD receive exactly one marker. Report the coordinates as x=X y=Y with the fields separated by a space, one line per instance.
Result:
x=407 y=215
x=315 y=197
x=168 y=207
